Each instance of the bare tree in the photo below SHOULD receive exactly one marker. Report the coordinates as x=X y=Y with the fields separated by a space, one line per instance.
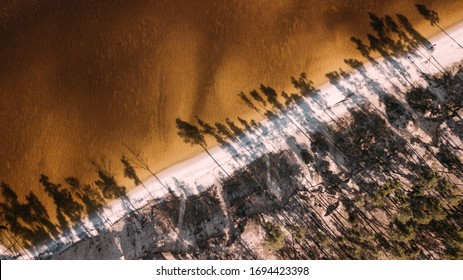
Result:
x=139 y=161
x=129 y=172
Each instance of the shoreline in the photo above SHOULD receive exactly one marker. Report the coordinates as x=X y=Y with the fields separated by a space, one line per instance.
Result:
x=200 y=170
x=167 y=77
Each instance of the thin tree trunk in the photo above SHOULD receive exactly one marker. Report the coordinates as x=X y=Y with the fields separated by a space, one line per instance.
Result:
x=461 y=47
x=218 y=164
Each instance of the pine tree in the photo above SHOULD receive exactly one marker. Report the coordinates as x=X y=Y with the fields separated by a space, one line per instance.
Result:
x=192 y=135
x=433 y=19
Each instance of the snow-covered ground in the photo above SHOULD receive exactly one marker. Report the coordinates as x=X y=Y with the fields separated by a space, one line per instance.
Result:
x=195 y=175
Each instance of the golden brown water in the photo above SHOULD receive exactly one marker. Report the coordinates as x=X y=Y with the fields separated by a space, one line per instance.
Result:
x=81 y=79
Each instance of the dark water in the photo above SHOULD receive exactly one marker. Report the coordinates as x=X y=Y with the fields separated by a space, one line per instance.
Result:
x=81 y=79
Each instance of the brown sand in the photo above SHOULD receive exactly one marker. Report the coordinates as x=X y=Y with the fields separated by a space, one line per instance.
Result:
x=80 y=79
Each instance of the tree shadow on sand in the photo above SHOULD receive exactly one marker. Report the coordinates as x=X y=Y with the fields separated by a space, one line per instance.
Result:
x=372 y=182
